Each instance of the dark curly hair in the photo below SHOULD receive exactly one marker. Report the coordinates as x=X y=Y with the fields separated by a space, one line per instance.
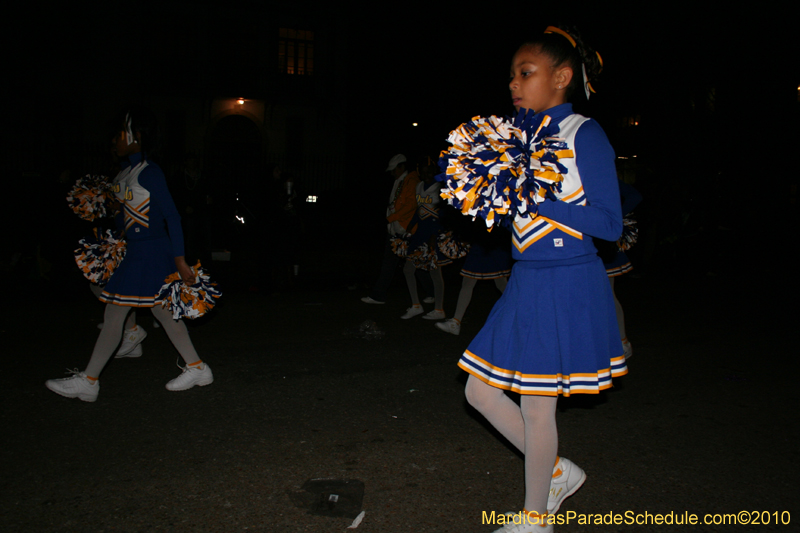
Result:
x=562 y=53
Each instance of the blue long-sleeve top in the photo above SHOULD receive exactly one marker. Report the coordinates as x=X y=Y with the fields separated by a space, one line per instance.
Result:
x=601 y=215
x=164 y=219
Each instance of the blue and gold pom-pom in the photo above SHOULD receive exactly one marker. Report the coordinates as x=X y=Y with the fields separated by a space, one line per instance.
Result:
x=501 y=169
x=399 y=246
x=188 y=301
x=423 y=257
x=88 y=197
x=451 y=247
x=630 y=233
x=99 y=256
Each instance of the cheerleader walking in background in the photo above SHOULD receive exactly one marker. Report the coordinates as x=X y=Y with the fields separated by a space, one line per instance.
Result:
x=133 y=334
x=428 y=229
x=553 y=331
x=154 y=251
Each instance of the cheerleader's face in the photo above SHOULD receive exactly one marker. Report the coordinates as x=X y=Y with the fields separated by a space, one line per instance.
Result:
x=121 y=146
x=535 y=84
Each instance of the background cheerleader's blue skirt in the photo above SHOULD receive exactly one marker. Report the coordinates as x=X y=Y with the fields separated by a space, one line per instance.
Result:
x=139 y=277
x=554 y=331
x=486 y=263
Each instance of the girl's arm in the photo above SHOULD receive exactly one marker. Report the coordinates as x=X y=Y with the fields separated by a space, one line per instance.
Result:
x=152 y=179
x=601 y=216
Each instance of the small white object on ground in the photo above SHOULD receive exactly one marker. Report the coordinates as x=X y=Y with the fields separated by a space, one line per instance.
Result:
x=357 y=521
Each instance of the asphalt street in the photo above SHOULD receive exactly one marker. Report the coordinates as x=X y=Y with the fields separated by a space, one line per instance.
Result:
x=704 y=423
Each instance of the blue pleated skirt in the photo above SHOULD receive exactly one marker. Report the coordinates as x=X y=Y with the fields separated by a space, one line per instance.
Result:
x=141 y=274
x=619 y=265
x=553 y=331
x=487 y=263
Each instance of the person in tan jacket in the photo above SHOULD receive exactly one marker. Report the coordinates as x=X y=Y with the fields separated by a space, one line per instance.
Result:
x=401 y=208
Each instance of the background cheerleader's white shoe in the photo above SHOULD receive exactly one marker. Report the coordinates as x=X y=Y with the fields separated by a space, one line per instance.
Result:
x=75 y=386
x=131 y=338
x=412 y=311
x=450 y=326
x=627 y=349
x=436 y=314
x=199 y=375
x=136 y=352
x=567 y=479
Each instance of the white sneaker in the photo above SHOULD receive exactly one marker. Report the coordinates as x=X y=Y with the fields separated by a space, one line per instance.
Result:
x=412 y=311
x=199 y=375
x=368 y=300
x=567 y=479
x=519 y=523
x=136 y=352
x=451 y=325
x=131 y=338
x=429 y=300
x=75 y=386
x=436 y=314
x=627 y=349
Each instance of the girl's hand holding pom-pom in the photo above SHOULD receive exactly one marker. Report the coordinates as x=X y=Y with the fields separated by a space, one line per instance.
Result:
x=501 y=170
x=188 y=300
x=185 y=271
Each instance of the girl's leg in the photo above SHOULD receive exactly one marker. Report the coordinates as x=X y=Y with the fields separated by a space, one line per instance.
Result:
x=620 y=314
x=499 y=410
x=97 y=290
x=530 y=427
x=464 y=297
x=107 y=342
x=178 y=334
x=501 y=283
x=196 y=372
x=131 y=322
x=541 y=449
x=408 y=271
x=438 y=287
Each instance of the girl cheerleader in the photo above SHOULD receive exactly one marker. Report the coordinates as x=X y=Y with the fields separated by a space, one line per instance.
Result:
x=426 y=219
x=154 y=250
x=553 y=331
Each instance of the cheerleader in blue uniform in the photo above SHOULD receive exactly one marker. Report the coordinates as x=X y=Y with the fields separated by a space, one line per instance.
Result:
x=620 y=264
x=553 y=331
x=428 y=228
x=133 y=335
x=154 y=251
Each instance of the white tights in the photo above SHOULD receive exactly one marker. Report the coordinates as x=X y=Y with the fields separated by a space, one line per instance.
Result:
x=530 y=427
x=620 y=314
x=465 y=295
x=438 y=284
x=97 y=290
x=111 y=334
